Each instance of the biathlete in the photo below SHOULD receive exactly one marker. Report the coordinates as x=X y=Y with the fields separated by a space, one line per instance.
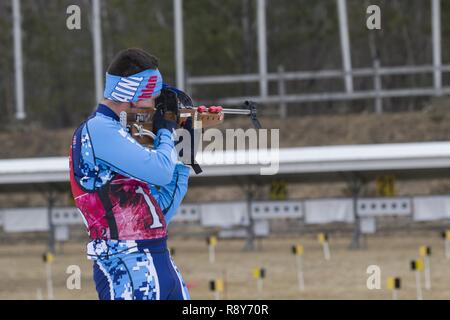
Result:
x=127 y=193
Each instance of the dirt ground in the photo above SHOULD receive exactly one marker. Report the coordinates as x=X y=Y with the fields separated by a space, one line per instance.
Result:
x=22 y=271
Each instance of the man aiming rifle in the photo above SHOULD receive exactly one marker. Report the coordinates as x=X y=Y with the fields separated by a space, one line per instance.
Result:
x=128 y=193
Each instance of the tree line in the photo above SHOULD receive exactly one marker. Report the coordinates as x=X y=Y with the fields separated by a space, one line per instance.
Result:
x=220 y=38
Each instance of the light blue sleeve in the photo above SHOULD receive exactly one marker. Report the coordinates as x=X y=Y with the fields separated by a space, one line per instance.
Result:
x=169 y=196
x=114 y=147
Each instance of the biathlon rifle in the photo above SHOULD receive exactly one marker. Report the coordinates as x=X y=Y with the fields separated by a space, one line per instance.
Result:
x=178 y=106
x=139 y=121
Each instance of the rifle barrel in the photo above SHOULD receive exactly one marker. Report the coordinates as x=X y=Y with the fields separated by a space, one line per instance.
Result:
x=236 y=111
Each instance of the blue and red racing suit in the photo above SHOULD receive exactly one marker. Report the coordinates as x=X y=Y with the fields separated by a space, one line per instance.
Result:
x=127 y=194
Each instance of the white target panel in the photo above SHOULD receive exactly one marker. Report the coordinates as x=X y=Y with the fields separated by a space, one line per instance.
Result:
x=277 y=209
x=66 y=216
x=187 y=213
x=384 y=207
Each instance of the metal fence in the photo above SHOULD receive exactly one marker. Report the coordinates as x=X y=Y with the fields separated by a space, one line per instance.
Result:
x=376 y=73
x=347 y=74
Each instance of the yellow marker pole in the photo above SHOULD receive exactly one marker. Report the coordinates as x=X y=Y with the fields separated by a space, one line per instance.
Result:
x=446 y=236
x=323 y=240
x=212 y=242
x=417 y=266
x=260 y=285
x=48 y=259
x=217 y=286
x=394 y=294
x=425 y=253
x=418 y=286
x=220 y=288
x=298 y=251
x=393 y=284
x=259 y=274
x=212 y=287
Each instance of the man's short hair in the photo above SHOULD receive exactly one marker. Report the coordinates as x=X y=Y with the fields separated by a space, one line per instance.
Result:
x=131 y=61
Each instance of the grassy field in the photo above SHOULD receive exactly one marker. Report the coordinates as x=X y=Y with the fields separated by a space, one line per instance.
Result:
x=22 y=271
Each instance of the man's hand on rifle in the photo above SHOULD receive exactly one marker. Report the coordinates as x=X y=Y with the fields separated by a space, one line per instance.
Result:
x=166 y=113
x=160 y=122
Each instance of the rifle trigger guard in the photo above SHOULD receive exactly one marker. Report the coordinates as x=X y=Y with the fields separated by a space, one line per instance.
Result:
x=143 y=132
